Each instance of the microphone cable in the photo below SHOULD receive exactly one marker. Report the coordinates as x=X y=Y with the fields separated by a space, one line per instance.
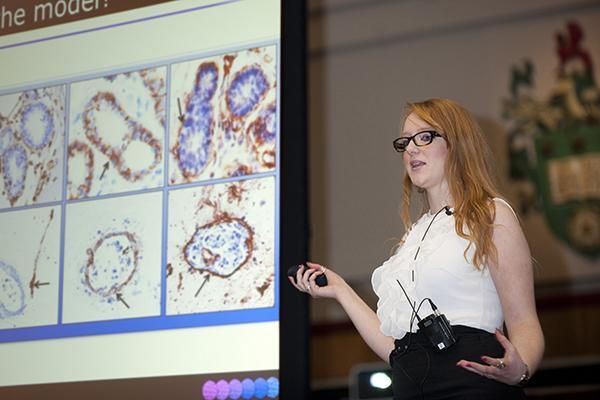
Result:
x=415 y=313
x=449 y=212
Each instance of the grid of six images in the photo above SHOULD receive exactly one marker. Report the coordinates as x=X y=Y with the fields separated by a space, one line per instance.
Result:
x=141 y=194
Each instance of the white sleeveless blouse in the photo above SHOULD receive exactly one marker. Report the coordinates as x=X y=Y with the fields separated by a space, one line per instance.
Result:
x=466 y=296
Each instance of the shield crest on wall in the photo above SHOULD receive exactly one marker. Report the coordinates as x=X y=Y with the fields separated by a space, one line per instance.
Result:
x=567 y=178
x=554 y=145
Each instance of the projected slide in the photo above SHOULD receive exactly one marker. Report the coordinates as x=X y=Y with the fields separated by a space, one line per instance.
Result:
x=220 y=236
x=139 y=192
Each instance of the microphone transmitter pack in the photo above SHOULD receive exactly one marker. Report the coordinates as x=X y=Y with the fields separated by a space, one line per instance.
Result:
x=435 y=326
x=438 y=330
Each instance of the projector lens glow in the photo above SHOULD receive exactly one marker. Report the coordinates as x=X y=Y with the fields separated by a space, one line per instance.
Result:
x=380 y=380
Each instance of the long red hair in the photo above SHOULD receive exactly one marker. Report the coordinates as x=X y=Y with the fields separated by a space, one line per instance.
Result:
x=469 y=174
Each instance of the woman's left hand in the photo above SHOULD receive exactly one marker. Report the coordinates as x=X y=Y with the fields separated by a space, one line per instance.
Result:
x=508 y=369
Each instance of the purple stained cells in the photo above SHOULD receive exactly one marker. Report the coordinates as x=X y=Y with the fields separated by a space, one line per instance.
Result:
x=30 y=137
x=207 y=78
x=268 y=130
x=193 y=147
x=111 y=263
x=14 y=171
x=262 y=132
x=220 y=247
x=6 y=139
x=12 y=294
x=227 y=96
x=37 y=125
x=195 y=136
x=246 y=90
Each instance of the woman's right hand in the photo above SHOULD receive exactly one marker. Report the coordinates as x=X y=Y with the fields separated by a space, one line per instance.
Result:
x=305 y=281
x=362 y=316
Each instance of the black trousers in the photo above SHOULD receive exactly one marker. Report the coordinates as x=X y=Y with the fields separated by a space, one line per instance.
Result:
x=419 y=372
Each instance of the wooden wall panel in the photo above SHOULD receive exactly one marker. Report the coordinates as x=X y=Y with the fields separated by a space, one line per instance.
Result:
x=571 y=331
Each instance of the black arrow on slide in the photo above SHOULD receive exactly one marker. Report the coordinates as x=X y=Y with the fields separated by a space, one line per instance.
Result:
x=122 y=300
x=38 y=284
x=105 y=166
x=180 y=117
x=201 y=286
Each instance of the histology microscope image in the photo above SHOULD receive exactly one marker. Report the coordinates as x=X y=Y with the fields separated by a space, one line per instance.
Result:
x=32 y=130
x=113 y=258
x=116 y=136
x=223 y=116
x=12 y=292
x=220 y=251
x=29 y=267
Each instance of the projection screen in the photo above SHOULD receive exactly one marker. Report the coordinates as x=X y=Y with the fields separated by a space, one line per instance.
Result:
x=140 y=194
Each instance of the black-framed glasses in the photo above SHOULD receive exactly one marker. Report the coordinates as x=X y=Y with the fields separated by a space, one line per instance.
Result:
x=422 y=138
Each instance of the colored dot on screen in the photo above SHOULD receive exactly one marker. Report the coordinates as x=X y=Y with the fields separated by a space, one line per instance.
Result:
x=247 y=388
x=260 y=388
x=273 y=384
x=222 y=389
x=235 y=389
x=209 y=390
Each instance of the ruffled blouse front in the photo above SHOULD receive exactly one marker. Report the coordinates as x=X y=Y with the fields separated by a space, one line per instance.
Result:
x=435 y=268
